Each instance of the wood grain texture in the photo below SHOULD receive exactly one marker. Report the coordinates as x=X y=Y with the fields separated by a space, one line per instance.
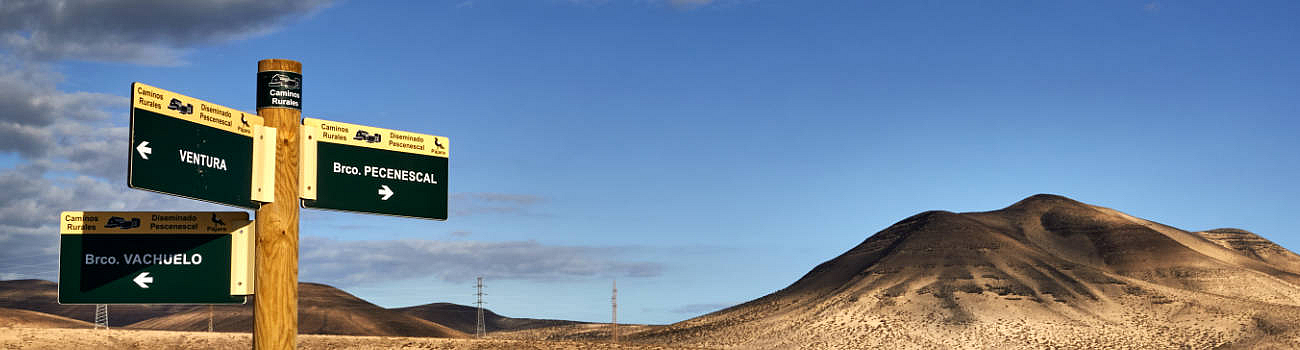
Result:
x=275 y=307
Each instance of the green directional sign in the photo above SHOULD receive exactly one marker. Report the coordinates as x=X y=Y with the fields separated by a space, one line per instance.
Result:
x=366 y=169
x=191 y=148
x=154 y=257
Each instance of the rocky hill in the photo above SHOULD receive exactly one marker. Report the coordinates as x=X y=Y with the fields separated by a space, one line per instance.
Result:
x=1044 y=272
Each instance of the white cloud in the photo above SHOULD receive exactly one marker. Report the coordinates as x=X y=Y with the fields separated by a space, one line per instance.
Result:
x=353 y=262
x=56 y=130
x=28 y=96
x=73 y=145
x=490 y=197
x=688 y=4
x=151 y=32
x=477 y=203
x=30 y=212
x=677 y=4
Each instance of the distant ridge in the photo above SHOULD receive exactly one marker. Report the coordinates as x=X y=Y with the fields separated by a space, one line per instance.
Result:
x=31 y=319
x=321 y=310
x=465 y=318
x=43 y=296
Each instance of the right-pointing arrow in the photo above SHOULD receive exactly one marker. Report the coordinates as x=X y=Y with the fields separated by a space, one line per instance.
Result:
x=144 y=149
x=385 y=191
x=143 y=280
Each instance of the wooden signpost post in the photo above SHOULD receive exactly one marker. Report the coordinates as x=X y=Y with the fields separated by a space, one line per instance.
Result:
x=275 y=307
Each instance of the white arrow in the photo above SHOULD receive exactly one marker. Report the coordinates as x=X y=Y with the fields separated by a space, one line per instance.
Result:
x=144 y=149
x=143 y=279
x=386 y=192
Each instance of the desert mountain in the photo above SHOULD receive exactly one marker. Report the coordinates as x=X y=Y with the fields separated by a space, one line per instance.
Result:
x=465 y=318
x=43 y=296
x=11 y=318
x=321 y=310
x=1047 y=271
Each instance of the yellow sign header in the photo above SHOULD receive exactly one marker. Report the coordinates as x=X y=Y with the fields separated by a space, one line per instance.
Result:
x=377 y=138
x=193 y=110
x=137 y=222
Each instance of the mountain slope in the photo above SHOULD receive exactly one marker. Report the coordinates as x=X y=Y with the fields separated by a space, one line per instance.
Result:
x=43 y=296
x=321 y=310
x=12 y=318
x=1255 y=247
x=1046 y=271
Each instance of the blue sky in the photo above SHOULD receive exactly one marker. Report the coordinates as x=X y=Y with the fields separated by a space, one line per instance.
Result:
x=704 y=153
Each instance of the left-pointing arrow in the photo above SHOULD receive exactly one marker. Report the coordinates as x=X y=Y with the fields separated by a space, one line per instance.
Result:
x=143 y=280
x=144 y=150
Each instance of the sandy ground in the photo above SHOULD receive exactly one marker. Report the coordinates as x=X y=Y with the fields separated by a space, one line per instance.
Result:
x=84 y=339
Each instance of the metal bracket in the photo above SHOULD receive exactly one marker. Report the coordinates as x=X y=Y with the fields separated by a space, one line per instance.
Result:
x=263 y=189
x=242 y=244
x=307 y=161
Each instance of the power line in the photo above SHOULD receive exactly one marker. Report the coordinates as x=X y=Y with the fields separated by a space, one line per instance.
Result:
x=101 y=316
x=480 y=331
x=614 y=319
